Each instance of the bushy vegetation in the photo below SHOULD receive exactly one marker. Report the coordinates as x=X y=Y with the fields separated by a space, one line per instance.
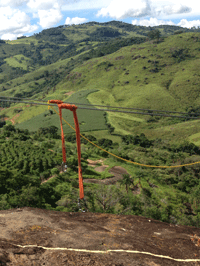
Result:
x=169 y=195
x=116 y=64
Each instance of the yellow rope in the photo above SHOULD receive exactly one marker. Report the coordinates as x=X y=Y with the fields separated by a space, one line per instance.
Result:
x=128 y=161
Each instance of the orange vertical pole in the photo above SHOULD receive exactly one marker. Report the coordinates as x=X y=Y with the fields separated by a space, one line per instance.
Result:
x=62 y=135
x=78 y=141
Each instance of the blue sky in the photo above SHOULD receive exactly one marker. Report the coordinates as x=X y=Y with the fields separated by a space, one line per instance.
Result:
x=26 y=17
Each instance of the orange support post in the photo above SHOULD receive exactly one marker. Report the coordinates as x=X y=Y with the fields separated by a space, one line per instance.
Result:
x=62 y=137
x=72 y=108
x=78 y=141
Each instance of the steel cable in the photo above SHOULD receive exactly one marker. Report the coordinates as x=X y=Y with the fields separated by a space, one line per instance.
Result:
x=105 y=110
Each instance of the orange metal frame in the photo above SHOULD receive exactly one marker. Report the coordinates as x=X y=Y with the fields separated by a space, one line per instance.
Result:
x=72 y=108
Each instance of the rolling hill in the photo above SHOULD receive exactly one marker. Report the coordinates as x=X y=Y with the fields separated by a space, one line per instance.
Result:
x=114 y=64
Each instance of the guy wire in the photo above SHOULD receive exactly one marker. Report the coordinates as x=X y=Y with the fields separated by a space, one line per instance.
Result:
x=107 y=106
x=105 y=110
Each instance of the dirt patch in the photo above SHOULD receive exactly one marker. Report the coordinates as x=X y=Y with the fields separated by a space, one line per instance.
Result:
x=100 y=168
x=60 y=238
x=51 y=150
x=13 y=120
x=119 y=58
x=44 y=181
x=69 y=93
x=93 y=163
x=116 y=171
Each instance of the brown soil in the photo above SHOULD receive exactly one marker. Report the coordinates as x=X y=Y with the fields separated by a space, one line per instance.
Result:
x=31 y=236
x=93 y=163
x=13 y=120
x=44 y=181
x=116 y=171
x=69 y=93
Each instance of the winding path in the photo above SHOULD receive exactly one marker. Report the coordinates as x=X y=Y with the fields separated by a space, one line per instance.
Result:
x=116 y=171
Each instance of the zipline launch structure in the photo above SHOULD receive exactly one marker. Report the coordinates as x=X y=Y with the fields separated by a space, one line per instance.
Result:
x=72 y=108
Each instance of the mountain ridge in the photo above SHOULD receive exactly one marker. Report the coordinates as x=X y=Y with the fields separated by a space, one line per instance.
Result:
x=159 y=69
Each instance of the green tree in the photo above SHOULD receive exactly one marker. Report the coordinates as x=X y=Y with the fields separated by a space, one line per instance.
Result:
x=5 y=174
x=105 y=143
x=4 y=204
x=154 y=34
x=69 y=198
x=107 y=199
x=54 y=171
x=30 y=197
x=127 y=181
x=46 y=73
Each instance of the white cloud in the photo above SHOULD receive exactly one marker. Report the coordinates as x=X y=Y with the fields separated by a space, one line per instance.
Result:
x=189 y=24
x=48 y=11
x=14 y=22
x=76 y=20
x=151 y=22
x=156 y=22
x=84 y=4
x=43 y=4
x=48 y=18
x=16 y=15
x=12 y=3
x=172 y=9
x=9 y=36
x=122 y=9
x=141 y=8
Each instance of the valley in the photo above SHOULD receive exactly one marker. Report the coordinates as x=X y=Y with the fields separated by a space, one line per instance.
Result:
x=99 y=65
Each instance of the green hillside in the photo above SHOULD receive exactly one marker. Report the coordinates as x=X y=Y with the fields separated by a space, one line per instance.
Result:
x=119 y=63
x=114 y=64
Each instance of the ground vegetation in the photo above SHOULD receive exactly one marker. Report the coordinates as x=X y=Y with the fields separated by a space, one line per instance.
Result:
x=114 y=64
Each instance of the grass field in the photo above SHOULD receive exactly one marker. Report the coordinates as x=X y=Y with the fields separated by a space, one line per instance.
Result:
x=18 y=61
x=89 y=120
x=163 y=76
x=125 y=83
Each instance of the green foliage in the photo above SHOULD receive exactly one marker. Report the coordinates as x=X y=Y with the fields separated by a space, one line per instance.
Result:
x=127 y=181
x=104 y=32
x=180 y=54
x=70 y=200
x=2 y=123
x=4 y=204
x=44 y=65
x=154 y=34
x=104 y=199
x=105 y=143
x=49 y=131
x=167 y=195
x=54 y=171
x=20 y=153
x=140 y=140
x=185 y=146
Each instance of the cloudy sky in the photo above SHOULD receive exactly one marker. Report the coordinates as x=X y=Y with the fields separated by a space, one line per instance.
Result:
x=26 y=17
